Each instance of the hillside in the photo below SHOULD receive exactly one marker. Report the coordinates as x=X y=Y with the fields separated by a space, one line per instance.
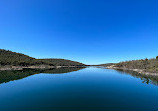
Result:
x=145 y=66
x=148 y=65
x=9 y=58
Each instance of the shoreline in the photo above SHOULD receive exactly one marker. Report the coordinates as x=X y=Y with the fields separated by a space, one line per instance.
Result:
x=139 y=71
x=8 y=68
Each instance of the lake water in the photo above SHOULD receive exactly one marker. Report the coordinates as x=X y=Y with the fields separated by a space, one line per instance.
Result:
x=70 y=89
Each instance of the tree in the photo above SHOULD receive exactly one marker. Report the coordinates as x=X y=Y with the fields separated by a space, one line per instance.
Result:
x=156 y=57
x=146 y=59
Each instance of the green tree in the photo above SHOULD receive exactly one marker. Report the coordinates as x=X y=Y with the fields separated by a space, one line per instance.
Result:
x=146 y=59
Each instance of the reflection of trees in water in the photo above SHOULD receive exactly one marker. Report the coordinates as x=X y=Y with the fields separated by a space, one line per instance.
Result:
x=6 y=76
x=145 y=78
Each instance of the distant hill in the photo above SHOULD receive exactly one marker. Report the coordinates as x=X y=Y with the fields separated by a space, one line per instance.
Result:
x=18 y=59
x=107 y=64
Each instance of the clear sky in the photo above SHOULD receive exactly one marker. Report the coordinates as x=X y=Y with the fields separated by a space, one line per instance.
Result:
x=88 y=31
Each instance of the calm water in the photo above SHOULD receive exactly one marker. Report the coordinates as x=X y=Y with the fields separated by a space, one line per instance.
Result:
x=89 y=89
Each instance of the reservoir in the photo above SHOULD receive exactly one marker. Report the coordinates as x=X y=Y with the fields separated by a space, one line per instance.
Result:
x=77 y=89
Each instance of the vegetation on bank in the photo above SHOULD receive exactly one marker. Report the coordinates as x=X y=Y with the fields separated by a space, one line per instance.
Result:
x=148 y=65
x=17 y=59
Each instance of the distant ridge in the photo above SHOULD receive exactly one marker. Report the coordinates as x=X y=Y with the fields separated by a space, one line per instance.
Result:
x=9 y=58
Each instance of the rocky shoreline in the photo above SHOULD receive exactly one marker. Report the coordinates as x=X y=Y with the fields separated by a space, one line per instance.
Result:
x=139 y=71
x=5 y=68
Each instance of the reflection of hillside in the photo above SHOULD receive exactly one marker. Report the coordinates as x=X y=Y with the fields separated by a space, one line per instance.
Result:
x=6 y=76
x=145 y=78
x=61 y=70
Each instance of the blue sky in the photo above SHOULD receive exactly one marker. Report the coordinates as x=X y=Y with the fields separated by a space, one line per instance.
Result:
x=88 y=31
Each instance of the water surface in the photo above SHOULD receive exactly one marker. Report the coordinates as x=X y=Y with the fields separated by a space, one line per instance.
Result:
x=74 y=89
